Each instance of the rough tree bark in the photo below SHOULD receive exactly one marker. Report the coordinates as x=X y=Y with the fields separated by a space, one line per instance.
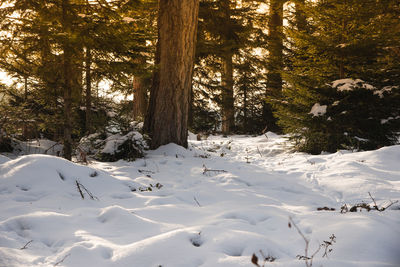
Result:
x=167 y=116
x=275 y=60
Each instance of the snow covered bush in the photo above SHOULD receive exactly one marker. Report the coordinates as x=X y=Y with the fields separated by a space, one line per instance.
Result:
x=112 y=146
x=344 y=114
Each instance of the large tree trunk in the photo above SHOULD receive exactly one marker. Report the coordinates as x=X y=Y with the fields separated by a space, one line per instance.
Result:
x=275 y=59
x=228 y=109
x=170 y=96
x=67 y=84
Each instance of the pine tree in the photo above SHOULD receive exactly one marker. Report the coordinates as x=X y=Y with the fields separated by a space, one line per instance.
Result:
x=274 y=60
x=229 y=31
x=344 y=39
x=58 y=41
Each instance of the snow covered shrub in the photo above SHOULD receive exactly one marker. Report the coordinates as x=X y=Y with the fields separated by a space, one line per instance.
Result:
x=112 y=146
x=344 y=114
x=129 y=147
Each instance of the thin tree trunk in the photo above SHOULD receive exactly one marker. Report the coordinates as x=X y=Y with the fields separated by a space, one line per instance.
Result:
x=227 y=95
x=341 y=57
x=191 y=103
x=300 y=16
x=139 y=95
x=167 y=117
x=67 y=85
x=245 y=110
x=228 y=109
x=25 y=127
x=88 y=97
x=275 y=60
x=148 y=125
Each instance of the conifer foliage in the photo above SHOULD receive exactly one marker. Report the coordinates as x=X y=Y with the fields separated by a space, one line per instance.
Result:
x=342 y=65
x=327 y=72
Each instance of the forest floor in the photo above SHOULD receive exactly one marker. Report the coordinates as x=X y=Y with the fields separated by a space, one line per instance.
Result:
x=214 y=204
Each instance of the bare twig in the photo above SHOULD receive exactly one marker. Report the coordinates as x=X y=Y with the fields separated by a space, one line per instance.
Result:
x=79 y=189
x=62 y=260
x=79 y=186
x=376 y=206
x=89 y=193
x=308 y=259
x=391 y=203
x=195 y=199
x=47 y=150
x=26 y=245
x=327 y=244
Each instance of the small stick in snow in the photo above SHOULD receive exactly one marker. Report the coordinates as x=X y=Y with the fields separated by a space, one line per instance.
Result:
x=79 y=185
x=205 y=170
x=375 y=206
x=26 y=245
x=47 y=150
x=79 y=189
x=259 y=152
x=195 y=199
x=145 y=171
x=62 y=260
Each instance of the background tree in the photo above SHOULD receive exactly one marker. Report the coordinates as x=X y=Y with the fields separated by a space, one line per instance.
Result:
x=343 y=39
x=229 y=32
x=274 y=60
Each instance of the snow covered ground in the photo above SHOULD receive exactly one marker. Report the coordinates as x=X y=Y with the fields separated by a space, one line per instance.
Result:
x=214 y=204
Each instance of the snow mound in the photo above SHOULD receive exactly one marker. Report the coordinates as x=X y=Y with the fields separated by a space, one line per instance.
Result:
x=213 y=204
x=3 y=159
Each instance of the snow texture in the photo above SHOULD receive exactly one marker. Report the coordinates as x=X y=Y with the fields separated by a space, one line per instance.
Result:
x=318 y=110
x=350 y=84
x=221 y=200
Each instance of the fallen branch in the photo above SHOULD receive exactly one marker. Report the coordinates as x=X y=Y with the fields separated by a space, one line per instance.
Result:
x=367 y=207
x=26 y=245
x=325 y=208
x=146 y=171
x=206 y=170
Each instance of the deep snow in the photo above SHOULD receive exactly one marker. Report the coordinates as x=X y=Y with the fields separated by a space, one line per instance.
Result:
x=199 y=217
